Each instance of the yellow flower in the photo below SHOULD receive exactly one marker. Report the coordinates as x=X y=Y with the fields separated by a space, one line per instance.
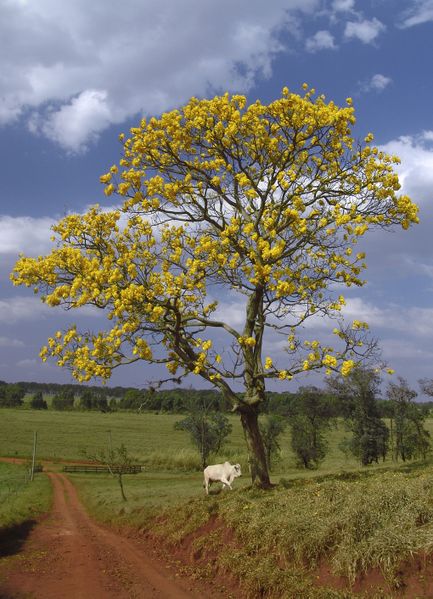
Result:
x=347 y=367
x=268 y=363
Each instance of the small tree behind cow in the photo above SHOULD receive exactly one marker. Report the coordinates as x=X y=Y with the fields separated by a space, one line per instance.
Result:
x=271 y=428
x=208 y=431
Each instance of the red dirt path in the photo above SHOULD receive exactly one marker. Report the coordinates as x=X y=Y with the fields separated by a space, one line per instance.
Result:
x=68 y=556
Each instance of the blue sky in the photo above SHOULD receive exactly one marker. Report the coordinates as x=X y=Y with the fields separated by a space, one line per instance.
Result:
x=75 y=74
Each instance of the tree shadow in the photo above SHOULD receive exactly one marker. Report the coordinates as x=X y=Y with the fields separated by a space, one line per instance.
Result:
x=12 y=538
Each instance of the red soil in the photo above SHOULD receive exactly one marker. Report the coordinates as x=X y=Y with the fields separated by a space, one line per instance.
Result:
x=67 y=555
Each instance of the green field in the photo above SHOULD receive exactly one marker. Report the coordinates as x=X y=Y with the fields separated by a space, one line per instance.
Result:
x=149 y=437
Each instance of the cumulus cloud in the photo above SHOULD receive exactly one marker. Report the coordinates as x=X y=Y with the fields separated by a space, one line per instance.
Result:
x=420 y=12
x=77 y=123
x=322 y=40
x=365 y=31
x=413 y=320
x=343 y=5
x=74 y=69
x=25 y=309
x=19 y=309
x=24 y=234
x=377 y=83
x=416 y=168
x=7 y=342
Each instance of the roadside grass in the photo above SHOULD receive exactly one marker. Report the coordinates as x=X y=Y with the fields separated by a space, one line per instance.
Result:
x=350 y=521
x=20 y=500
x=147 y=495
x=281 y=537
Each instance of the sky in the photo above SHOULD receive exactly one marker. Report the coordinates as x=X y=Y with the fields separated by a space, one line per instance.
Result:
x=75 y=74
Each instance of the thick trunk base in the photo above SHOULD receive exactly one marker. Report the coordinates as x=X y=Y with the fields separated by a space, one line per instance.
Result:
x=256 y=451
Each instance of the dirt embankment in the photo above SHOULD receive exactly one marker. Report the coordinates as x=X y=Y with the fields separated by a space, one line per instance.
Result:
x=68 y=555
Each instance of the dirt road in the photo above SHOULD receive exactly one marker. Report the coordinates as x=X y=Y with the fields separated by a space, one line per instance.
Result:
x=68 y=556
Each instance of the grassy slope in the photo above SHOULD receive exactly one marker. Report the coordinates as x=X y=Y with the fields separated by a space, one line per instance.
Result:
x=21 y=501
x=373 y=521
x=352 y=522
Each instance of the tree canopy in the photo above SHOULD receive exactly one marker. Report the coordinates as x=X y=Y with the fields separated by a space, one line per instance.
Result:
x=263 y=201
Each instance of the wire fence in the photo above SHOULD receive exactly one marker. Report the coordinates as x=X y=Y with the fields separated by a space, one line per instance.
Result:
x=12 y=486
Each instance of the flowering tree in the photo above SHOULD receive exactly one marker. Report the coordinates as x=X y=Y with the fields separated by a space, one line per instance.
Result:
x=266 y=202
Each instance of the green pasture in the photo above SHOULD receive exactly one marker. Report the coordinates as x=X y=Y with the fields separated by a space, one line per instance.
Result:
x=149 y=437
x=21 y=500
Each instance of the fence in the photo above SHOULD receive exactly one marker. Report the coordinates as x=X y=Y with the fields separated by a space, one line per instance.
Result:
x=133 y=469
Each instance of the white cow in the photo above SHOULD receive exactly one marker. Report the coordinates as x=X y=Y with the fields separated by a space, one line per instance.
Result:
x=224 y=473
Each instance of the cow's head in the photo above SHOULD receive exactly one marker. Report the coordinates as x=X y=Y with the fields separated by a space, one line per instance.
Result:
x=237 y=470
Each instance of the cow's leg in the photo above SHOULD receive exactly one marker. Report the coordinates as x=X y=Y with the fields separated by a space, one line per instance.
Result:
x=226 y=483
x=206 y=485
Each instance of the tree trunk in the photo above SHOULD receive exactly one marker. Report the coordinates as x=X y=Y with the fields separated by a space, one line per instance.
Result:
x=122 y=492
x=256 y=450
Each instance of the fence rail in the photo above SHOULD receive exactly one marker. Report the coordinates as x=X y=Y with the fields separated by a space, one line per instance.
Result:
x=133 y=469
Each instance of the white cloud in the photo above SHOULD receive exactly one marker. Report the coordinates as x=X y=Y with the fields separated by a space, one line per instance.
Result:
x=396 y=349
x=322 y=40
x=24 y=234
x=413 y=321
x=378 y=83
x=6 y=342
x=343 y=5
x=25 y=309
x=28 y=363
x=232 y=312
x=18 y=309
x=366 y=31
x=76 y=124
x=72 y=69
x=420 y=12
x=416 y=168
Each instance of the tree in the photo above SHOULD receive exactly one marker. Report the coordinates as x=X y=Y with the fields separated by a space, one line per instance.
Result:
x=262 y=203
x=411 y=439
x=207 y=429
x=63 y=402
x=118 y=462
x=270 y=429
x=310 y=418
x=38 y=402
x=90 y=400
x=357 y=394
x=12 y=396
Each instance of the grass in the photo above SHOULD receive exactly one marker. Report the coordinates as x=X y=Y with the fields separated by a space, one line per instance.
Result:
x=150 y=438
x=353 y=522
x=283 y=536
x=20 y=500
